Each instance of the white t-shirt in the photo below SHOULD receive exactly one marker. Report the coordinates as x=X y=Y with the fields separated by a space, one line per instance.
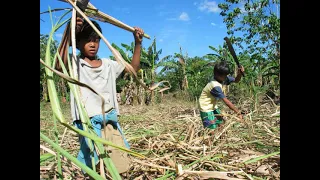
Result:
x=103 y=80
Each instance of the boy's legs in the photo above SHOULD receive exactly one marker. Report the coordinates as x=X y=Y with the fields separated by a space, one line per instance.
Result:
x=114 y=133
x=84 y=155
x=97 y=124
x=111 y=118
x=211 y=119
x=217 y=114
x=208 y=119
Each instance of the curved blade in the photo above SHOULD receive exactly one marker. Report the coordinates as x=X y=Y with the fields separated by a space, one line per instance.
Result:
x=82 y=4
x=233 y=53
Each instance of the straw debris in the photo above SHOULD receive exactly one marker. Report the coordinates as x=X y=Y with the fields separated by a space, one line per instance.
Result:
x=172 y=138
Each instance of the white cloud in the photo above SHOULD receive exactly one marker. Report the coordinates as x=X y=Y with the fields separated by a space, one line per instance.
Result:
x=195 y=3
x=221 y=26
x=209 y=6
x=242 y=8
x=172 y=33
x=184 y=17
x=213 y=24
x=59 y=35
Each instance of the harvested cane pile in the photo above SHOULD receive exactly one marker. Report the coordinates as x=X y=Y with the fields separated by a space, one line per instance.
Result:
x=172 y=138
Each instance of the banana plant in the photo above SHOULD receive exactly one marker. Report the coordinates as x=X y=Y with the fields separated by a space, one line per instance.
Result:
x=182 y=59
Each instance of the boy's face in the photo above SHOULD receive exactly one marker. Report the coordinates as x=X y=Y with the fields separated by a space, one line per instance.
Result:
x=89 y=48
x=220 y=78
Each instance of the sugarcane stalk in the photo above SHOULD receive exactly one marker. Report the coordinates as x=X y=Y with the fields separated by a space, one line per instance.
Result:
x=75 y=67
x=112 y=20
x=48 y=55
x=93 y=12
x=58 y=153
x=109 y=164
x=54 y=98
x=79 y=131
x=115 y=53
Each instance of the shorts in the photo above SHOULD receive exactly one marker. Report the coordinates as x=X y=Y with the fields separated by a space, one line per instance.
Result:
x=209 y=119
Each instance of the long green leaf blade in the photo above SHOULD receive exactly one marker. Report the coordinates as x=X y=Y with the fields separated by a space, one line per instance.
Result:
x=261 y=157
x=70 y=157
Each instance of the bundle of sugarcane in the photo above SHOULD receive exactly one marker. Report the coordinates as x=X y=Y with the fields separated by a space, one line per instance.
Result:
x=87 y=131
x=93 y=12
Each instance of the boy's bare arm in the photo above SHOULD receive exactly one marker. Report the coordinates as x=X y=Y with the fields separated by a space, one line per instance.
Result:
x=135 y=63
x=66 y=42
x=138 y=35
x=231 y=106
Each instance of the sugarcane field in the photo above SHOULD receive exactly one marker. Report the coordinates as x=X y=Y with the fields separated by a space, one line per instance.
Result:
x=159 y=90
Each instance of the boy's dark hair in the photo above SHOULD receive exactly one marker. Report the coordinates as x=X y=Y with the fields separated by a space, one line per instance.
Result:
x=221 y=68
x=87 y=32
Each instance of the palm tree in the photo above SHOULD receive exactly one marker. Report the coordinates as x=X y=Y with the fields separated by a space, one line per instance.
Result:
x=178 y=66
x=125 y=86
x=183 y=64
x=151 y=60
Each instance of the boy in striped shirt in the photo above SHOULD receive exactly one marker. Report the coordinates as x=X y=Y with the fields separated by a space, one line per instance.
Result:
x=212 y=92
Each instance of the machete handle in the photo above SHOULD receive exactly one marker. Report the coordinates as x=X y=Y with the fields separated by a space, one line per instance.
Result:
x=239 y=66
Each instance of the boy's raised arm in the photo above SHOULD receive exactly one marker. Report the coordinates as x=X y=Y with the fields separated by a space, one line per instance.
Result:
x=138 y=35
x=66 y=42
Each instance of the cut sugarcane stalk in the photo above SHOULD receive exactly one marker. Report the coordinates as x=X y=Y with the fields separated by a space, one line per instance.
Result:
x=93 y=12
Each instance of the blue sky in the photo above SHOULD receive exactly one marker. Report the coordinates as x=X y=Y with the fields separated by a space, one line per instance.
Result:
x=194 y=24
